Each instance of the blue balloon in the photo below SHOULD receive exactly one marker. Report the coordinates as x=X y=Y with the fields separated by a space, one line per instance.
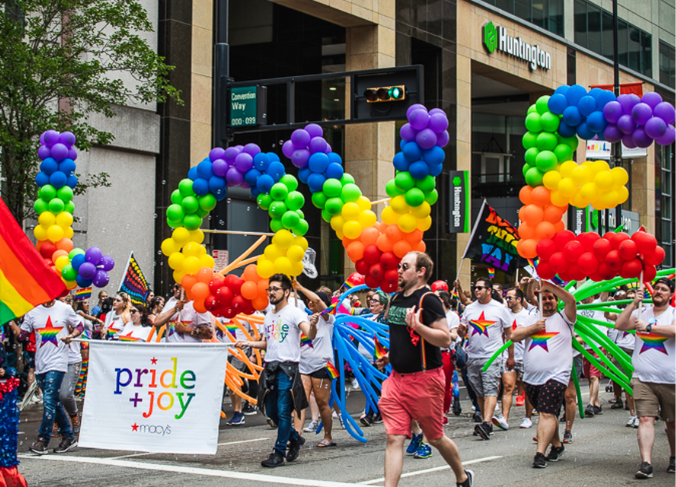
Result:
x=572 y=116
x=71 y=181
x=49 y=166
x=596 y=122
x=58 y=179
x=316 y=182
x=419 y=170
x=318 y=162
x=574 y=94
x=561 y=90
x=586 y=105
x=400 y=162
x=264 y=183
x=41 y=179
x=303 y=174
x=276 y=170
x=334 y=171
x=584 y=132
x=436 y=170
x=67 y=166
x=557 y=103
x=273 y=157
x=251 y=176
x=333 y=157
x=216 y=183
x=77 y=261
x=595 y=92
x=82 y=282
x=402 y=144
x=261 y=161
x=192 y=173
x=221 y=194
x=604 y=98
x=255 y=192
x=412 y=151
x=204 y=169
x=434 y=156
x=566 y=130
x=200 y=186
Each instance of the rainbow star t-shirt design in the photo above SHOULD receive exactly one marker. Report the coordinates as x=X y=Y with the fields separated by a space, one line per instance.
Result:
x=48 y=333
x=540 y=339
x=651 y=341
x=481 y=325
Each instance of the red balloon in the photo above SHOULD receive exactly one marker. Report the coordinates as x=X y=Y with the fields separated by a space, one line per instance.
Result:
x=215 y=284
x=224 y=296
x=627 y=249
x=388 y=287
x=210 y=303
x=389 y=260
x=558 y=263
x=562 y=238
x=573 y=250
x=631 y=269
x=614 y=260
x=372 y=254
x=575 y=273
x=587 y=263
x=249 y=309
x=656 y=257
x=545 y=271
x=606 y=272
x=601 y=248
x=47 y=249
x=362 y=266
x=377 y=271
x=545 y=249
x=392 y=276
x=587 y=240
x=596 y=277
x=239 y=303
x=609 y=236
x=645 y=243
x=649 y=272
x=565 y=276
x=371 y=282
x=229 y=312
x=617 y=239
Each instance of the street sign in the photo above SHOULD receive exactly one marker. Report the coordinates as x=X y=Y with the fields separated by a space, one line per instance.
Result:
x=248 y=106
x=459 y=207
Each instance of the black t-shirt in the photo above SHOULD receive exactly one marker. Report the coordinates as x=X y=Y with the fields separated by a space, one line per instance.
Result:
x=404 y=356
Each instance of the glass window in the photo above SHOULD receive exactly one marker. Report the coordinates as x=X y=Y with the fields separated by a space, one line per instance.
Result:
x=607 y=35
x=581 y=23
x=622 y=41
x=547 y=14
x=667 y=64
x=646 y=66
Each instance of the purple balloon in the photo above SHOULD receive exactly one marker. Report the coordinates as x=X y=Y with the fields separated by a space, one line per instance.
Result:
x=244 y=161
x=443 y=138
x=44 y=152
x=67 y=139
x=300 y=158
x=628 y=141
x=300 y=138
x=318 y=144
x=626 y=124
x=655 y=128
x=628 y=102
x=107 y=262
x=87 y=270
x=219 y=167
x=419 y=119
x=251 y=149
x=407 y=132
x=101 y=279
x=216 y=153
x=230 y=154
x=42 y=138
x=612 y=111
x=611 y=133
x=665 y=111
x=59 y=152
x=328 y=149
x=72 y=153
x=668 y=137
x=437 y=110
x=413 y=107
x=93 y=255
x=652 y=99
x=51 y=137
x=438 y=122
x=244 y=185
x=314 y=130
x=640 y=138
x=641 y=113
x=234 y=177
x=426 y=138
x=287 y=149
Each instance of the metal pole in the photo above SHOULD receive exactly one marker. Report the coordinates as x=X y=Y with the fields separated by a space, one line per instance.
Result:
x=616 y=148
x=219 y=109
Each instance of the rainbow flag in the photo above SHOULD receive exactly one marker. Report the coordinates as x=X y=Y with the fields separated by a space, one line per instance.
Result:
x=380 y=350
x=556 y=279
x=26 y=281
x=333 y=373
x=83 y=293
x=305 y=341
x=491 y=273
x=134 y=283
x=454 y=294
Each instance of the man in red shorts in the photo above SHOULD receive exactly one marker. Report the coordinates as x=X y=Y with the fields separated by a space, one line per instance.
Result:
x=415 y=389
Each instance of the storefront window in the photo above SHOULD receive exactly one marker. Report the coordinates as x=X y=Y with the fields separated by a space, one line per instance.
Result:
x=667 y=64
x=547 y=14
x=664 y=202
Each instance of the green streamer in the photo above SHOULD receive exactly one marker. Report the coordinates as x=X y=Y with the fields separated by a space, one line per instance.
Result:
x=596 y=364
x=580 y=405
x=497 y=354
x=607 y=343
x=592 y=343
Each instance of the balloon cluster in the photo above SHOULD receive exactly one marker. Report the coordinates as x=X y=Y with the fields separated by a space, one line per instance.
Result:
x=599 y=258
x=637 y=122
x=284 y=203
x=581 y=111
x=540 y=219
x=284 y=255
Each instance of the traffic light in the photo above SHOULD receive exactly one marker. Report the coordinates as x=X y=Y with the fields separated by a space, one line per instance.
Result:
x=385 y=93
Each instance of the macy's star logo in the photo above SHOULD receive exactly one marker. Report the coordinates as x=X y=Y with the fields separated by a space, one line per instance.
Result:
x=134 y=427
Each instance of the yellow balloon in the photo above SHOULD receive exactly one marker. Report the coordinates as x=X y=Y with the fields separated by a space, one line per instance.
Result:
x=192 y=249
x=620 y=176
x=604 y=180
x=567 y=169
x=272 y=252
x=295 y=253
x=47 y=219
x=551 y=180
x=389 y=216
x=64 y=219
x=207 y=261
x=599 y=167
x=350 y=211
x=62 y=262
x=337 y=222
x=55 y=233
x=579 y=201
x=623 y=194
x=610 y=199
x=367 y=218
x=176 y=261
x=589 y=191
x=265 y=268
x=70 y=285
x=567 y=187
x=169 y=246
x=181 y=236
x=364 y=203
x=68 y=233
x=425 y=224
x=178 y=275
x=558 y=199
x=352 y=229
x=301 y=242
x=340 y=234
x=197 y=236
x=201 y=250
x=422 y=211
x=398 y=204
x=407 y=223
x=283 y=266
x=296 y=268
x=191 y=264
x=283 y=239
x=582 y=175
x=40 y=232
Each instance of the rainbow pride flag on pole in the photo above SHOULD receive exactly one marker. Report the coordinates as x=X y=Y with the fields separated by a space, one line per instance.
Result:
x=84 y=293
x=25 y=280
x=379 y=349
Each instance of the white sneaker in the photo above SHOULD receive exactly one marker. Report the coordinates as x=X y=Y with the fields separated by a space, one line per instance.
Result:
x=635 y=422
x=500 y=422
x=526 y=423
x=630 y=422
x=311 y=427
x=355 y=384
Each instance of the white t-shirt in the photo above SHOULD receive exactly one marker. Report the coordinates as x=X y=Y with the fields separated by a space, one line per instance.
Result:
x=189 y=317
x=283 y=334
x=548 y=354
x=453 y=321
x=596 y=315
x=114 y=324
x=653 y=358
x=141 y=333
x=50 y=325
x=622 y=339
x=518 y=319
x=74 y=355
x=314 y=356
x=485 y=323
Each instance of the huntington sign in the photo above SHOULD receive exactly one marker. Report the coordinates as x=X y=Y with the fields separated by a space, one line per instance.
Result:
x=496 y=38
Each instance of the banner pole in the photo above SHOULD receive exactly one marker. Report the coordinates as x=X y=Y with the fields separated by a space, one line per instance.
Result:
x=476 y=224
x=126 y=268
x=540 y=297
x=640 y=307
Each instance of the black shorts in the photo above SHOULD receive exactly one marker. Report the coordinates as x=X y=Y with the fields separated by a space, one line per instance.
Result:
x=548 y=397
x=320 y=374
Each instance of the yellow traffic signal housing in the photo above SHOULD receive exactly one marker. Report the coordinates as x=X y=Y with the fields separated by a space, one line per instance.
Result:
x=385 y=93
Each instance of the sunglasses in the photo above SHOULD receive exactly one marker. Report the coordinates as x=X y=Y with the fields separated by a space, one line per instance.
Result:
x=480 y=288
x=509 y=298
x=404 y=267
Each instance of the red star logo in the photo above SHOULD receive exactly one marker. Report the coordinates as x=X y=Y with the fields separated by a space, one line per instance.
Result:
x=153 y=361
x=134 y=427
x=481 y=325
x=514 y=325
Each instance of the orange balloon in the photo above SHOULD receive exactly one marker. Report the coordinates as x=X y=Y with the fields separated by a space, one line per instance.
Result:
x=188 y=281
x=200 y=291
x=39 y=244
x=544 y=230
x=355 y=251
x=401 y=248
x=420 y=246
x=525 y=195
x=541 y=196
x=526 y=231
x=552 y=214
x=531 y=214
x=58 y=254
x=249 y=290
x=348 y=241
x=65 y=244
x=394 y=233
x=414 y=237
x=250 y=273
x=527 y=248
x=384 y=244
x=199 y=305
x=205 y=275
x=559 y=226
x=263 y=288
x=259 y=303
x=369 y=236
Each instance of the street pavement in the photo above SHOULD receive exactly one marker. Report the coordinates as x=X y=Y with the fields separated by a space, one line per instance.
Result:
x=604 y=452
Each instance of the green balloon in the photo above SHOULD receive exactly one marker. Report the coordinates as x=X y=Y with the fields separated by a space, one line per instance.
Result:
x=333 y=206
x=279 y=192
x=56 y=206
x=75 y=252
x=414 y=197
x=264 y=200
x=47 y=192
x=202 y=213
x=185 y=187
x=404 y=181
x=530 y=155
x=350 y=193
x=541 y=104
x=189 y=204
x=40 y=206
x=563 y=153
x=290 y=219
x=549 y=122
x=290 y=182
x=571 y=142
x=175 y=212
x=302 y=228
x=525 y=169
x=277 y=209
x=174 y=223
x=432 y=197
x=319 y=199
x=529 y=140
x=532 y=109
x=347 y=178
x=301 y=215
x=192 y=222
x=207 y=202
x=332 y=188
x=68 y=273
x=295 y=200
x=391 y=189
x=546 y=141
x=534 y=177
x=276 y=225
x=533 y=122
x=427 y=184
x=64 y=193
x=326 y=216
x=176 y=197
x=546 y=161
x=70 y=207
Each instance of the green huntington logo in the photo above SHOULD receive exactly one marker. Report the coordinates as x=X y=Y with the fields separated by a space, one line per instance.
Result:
x=490 y=37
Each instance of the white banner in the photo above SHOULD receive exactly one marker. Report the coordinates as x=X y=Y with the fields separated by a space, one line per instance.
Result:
x=154 y=397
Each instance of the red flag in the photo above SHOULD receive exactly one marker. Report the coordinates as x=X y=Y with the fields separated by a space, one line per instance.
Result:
x=625 y=88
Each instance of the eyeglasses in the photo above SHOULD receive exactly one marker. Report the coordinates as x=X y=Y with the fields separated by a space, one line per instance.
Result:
x=273 y=289
x=480 y=288
x=404 y=267
x=375 y=300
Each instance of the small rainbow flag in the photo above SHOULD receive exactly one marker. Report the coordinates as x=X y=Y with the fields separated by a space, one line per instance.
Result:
x=305 y=341
x=380 y=350
x=333 y=373
x=454 y=294
x=491 y=273
x=83 y=293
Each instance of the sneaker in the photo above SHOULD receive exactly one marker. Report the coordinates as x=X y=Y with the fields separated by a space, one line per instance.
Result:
x=249 y=410
x=671 y=468
x=470 y=480
x=416 y=440
x=636 y=422
x=355 y=384
x=483 y=430
x=66 y=444
x=477 y=418
x=589 y=411
x=526 y=423
x=500 y=422
x=555 y=453
x=423 y=451
x=598 y=410
x=275 y=459
x=271 y=423
x=630 y=421
x=39 y=447
x=562 y=419
x=444 y=421
x=294 y=449
x=377 y=419
x=539 y=461
x=535 y=412
x=367 y=419
x=567 y=437
x=312 y=426
x=236 y=420
x=617 y=404
x=75 y=423
x=645 y=471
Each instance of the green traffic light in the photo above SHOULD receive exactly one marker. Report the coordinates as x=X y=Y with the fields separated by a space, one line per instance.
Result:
x=395 y=93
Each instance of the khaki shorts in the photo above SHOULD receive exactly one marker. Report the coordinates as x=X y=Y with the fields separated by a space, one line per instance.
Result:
x=484 y=383
x=654 y=400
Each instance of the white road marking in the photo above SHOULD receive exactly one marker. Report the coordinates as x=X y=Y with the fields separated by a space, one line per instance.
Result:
x=154 y=453
x=428 y=470
x=207 y=472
